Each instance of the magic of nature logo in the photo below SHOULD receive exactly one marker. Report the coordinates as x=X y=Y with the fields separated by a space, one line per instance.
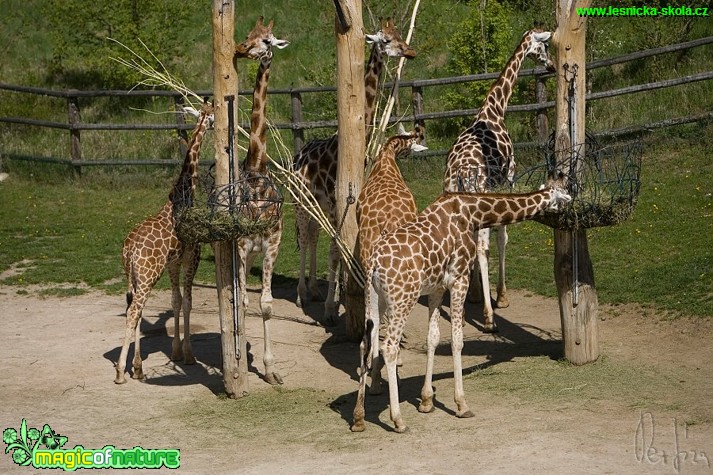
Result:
x=44 y=449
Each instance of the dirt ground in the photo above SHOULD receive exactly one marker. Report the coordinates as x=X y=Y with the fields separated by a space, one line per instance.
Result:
x=57 y=357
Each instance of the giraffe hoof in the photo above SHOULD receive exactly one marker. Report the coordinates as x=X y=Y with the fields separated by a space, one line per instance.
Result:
x=375 y=389
x=465 y=414
x=273 y=378
x=120 y=379
x=502 y=302
x=402 y=429
x=490 y=328
x=189 y=360
x=358 y=426
x=138 y=374
x=425 y=408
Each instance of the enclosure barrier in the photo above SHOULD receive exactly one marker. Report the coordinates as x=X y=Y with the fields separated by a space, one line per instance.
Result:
x=297 y=125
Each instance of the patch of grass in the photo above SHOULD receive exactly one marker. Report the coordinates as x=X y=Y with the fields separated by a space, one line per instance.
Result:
x=62 y=292
x=294 y=416
x=554 y=383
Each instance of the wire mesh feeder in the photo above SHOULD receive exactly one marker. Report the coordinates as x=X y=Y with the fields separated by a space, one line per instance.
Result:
x=604 y=184
x=251 y=205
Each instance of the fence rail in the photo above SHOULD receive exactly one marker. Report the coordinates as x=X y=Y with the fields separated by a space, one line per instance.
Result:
x=297 y=125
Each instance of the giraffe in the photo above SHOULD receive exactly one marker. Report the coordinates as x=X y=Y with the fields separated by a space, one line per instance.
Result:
x=151 y=247
x=316 y=165
x=385 y=202
x=427 y=256
x=258 y=46
x=482 y=158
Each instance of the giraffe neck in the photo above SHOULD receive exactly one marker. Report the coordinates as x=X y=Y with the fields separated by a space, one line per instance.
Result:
x=492 y=209
x=372 y=75
x=256 y=159
x=499 y=94
x=185 y=186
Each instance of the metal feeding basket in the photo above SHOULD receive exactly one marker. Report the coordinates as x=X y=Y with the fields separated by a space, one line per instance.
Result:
x=604 y=183
x=251 y=205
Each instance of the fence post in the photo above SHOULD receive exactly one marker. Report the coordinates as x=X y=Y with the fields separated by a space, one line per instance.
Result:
x=298 y=136
x=182 y=133
x=543 y=127
x=74 y=133
x=417 y=104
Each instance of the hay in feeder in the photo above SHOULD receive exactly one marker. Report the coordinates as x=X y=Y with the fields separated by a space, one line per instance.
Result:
x=604 y=184
x=244 y=208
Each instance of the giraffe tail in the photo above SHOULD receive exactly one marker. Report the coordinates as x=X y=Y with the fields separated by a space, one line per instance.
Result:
x=367 y=338
x=132 y=284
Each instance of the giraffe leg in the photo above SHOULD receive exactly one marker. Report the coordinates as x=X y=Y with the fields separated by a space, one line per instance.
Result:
x=502 y=300
x=458 y=295
x=192 y=261
x=313 y=241
x=389 y=351
x=133 y=316
x=174 y=272
x=483 y=250
x=434 y=336
x=374 y=362
x=366 y=355
x=303 y=242
x=268 y=263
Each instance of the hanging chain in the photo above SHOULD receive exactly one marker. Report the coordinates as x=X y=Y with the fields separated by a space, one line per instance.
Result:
x=350 y=201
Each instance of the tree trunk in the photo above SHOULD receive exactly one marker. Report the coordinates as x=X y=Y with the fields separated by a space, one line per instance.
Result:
x=225 y=83
x=352 y=143
x=574 y=277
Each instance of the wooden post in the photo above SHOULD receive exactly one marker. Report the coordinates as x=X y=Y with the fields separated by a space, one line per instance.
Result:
x=574 y=273
x=298 y=135
x=225 y=83
x=352 y=143
x=75 y=147
x=417 y=104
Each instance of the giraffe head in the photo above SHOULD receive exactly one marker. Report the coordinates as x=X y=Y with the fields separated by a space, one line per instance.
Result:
x=389 y=41
x=558 y=195
x=536 y=47
x=259 y=42
x=207 y=110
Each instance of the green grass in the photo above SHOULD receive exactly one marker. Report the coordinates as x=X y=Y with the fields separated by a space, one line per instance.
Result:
x=70 y=231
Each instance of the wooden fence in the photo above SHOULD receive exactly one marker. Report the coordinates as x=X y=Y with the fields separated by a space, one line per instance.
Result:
x=297 y=125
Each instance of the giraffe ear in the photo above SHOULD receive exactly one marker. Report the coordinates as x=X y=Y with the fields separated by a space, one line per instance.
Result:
x=542 y=37
x=372 y=38
x=417 y=147
x=279 y=43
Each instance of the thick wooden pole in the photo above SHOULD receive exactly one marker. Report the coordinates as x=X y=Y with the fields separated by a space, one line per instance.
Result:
x=225 y=83
x=574 y=273
x=352 y=141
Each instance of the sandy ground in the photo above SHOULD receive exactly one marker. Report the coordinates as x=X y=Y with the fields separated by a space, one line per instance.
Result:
x=57 y=359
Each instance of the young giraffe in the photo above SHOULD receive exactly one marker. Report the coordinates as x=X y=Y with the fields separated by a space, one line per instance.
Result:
x=316 y=165
x=385 y=202
x=258 y=46
x=427 y=256
x=151 y=247
x=482 y=158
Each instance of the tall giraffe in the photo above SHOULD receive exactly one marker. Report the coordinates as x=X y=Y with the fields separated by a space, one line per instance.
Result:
x=482 y=158
x=385 y=202
x=258 y=46
x=428 y=256
x=151 y=247
x=316 y=165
